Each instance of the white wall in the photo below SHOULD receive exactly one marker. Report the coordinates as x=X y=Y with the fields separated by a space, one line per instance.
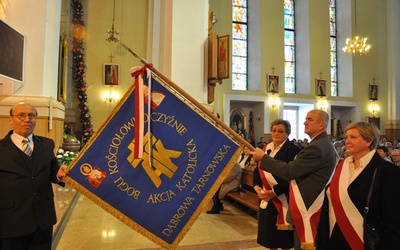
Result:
x=39 y=21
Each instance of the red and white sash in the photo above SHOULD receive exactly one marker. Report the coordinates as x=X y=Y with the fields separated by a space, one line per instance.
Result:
x=346 y=214
x=280 y=202
x=306 y=221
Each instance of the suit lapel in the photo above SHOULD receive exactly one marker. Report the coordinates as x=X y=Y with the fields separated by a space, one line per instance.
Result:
x=17 y=156
x=282 y=152
x=37 y=152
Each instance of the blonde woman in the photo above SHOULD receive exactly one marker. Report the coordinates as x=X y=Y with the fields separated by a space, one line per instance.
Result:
x=342 y=219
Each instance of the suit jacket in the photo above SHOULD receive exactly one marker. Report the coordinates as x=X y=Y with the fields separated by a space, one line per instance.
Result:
x=26 y=194
x=383 y=208
x=311 y=168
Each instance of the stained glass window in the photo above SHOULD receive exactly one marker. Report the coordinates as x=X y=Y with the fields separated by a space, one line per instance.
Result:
x=239 y=44
x=290 y=49
x=333 y=40
x=291 y=113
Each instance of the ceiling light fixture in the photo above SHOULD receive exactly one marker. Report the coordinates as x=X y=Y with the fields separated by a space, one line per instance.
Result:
x=112 y=35
x=356 y=44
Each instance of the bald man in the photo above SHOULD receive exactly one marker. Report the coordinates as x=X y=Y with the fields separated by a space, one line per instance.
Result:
x=309 y=173
x=27 y=170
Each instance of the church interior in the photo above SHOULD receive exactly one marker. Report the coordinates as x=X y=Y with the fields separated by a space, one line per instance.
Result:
x=76 y=57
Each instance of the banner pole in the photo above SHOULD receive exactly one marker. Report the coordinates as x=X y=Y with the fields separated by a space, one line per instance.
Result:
x=191 y=99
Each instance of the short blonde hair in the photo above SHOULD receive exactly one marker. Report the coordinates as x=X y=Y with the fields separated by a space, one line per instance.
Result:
x=369 y=132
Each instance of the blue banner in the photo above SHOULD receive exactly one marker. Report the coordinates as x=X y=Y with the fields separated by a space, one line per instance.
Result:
x=186 y=156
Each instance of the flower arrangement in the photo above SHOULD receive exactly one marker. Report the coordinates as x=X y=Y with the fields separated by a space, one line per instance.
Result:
x=65 y=157
x=67 y=130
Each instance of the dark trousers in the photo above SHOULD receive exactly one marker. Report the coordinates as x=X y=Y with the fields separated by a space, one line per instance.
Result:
x=38 y=240
x=216 y=199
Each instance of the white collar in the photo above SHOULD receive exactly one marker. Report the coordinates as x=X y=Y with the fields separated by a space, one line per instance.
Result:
x=16 y=138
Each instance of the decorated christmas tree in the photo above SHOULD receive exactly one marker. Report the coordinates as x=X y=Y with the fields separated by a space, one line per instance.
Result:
x=79 y=68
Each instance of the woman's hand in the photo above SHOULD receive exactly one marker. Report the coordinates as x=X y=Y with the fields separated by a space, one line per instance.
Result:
x=265 y=195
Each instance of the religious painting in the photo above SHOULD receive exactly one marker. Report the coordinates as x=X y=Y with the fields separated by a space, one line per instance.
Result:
x=111 y=74
x=223 y=57
x=374 y=120
x=272 y=83
x=238 y=121
x=373 y=91
x=320 y=87
x=62 y=69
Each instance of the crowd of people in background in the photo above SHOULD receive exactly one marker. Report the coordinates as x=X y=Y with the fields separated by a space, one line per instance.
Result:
x=389 y=151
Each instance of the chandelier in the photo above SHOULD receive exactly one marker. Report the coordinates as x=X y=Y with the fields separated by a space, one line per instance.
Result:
x=357 y=44
x=112 y=34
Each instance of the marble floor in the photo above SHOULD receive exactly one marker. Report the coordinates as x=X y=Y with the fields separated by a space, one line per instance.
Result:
x=84 y=225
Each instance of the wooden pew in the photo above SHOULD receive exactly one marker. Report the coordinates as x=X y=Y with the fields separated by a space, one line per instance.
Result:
x=246 y=195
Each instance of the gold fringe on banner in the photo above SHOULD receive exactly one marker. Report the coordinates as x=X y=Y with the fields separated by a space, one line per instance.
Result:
x=199 y=109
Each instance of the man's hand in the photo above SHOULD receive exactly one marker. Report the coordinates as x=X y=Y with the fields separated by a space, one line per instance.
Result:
x=257 y=154
x=62 y=172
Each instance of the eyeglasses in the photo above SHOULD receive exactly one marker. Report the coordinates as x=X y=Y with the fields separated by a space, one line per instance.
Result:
x=395 y=155
x=22 y=116
x=278 y=131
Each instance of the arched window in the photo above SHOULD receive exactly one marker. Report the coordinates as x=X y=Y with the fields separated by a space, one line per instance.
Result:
x=239 y=44
x=333 y=50
x=290 y=46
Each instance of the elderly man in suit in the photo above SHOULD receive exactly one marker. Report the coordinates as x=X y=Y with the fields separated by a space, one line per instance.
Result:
x=309 y=173
x=28 y=167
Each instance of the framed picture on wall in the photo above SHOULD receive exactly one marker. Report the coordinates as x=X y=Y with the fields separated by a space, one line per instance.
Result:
x=272 y=83
x=320 y=87
x=374 y=120
x=223 y=57
x=111 y=74
x=238 y=121
x=373 y=91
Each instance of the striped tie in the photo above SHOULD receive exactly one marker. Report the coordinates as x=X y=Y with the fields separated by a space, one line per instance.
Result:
x=26 y=147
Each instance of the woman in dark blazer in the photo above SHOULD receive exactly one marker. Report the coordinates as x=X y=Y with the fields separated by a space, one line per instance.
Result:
x=342 y=218
x=273 y=229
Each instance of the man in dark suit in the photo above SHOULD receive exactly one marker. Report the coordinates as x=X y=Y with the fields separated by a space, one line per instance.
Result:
x=28 y=167
x=309 y=173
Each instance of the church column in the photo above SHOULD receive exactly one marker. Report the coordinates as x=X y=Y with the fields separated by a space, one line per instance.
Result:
x=392 y=125
x=178 y=35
